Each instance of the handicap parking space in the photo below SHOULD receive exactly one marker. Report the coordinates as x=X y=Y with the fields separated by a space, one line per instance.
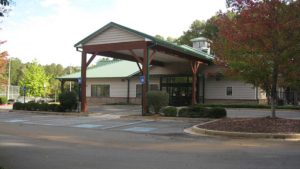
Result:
x=158 y=127
x=106 y=122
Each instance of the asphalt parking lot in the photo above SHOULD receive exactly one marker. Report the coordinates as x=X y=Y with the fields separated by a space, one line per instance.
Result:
x=97 y=122
x=104 y=140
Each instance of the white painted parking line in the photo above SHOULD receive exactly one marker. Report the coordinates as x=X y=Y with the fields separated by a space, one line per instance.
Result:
x=127 y=124
x=88 y=126
x=140 y=129
x=38 y=123
x=15 y=121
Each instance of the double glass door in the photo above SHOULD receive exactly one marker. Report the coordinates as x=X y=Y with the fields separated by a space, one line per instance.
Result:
x=179 y=89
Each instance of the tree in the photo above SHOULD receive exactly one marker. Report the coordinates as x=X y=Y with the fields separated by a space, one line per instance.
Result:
x=159 y=37
x=4 y=7
x=35 y=80
x=3 y=61
x=196 y=29
x=53 y=71
x=171 y=39
x=16 y=70
x=261 y=42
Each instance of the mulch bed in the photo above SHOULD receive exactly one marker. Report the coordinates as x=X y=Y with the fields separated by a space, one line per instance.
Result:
x=255 y=125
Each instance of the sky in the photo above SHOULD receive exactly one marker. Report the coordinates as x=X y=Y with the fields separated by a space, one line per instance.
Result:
x=46 y=30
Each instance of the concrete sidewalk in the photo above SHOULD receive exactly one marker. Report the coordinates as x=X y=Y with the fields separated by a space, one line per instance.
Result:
x=246 y=112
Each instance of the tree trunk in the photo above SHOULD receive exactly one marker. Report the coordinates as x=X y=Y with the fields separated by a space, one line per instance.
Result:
x=274 y=90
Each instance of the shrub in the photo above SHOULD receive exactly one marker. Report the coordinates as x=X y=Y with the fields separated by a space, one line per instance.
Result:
x=183 y=112
x=31 y=106
x=18 y=106
x=198 y=111
x=54 y=108
x=216 y=112
x=68 y=100
x=170 y=111
x=157 y=100
x=237 y=105
x=3 y=100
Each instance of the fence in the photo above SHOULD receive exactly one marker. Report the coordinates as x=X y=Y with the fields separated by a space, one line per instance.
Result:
x=12 y=93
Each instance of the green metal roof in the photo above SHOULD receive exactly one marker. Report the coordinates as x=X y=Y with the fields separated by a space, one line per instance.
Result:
x=109 y=69
x=198 y=54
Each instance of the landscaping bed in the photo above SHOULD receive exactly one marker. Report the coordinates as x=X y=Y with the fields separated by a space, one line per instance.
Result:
x=254 y=125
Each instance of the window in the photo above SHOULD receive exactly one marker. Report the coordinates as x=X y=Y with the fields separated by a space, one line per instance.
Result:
x=138 y=90
x=153 y=87
x=100 y=90
x=229 y=91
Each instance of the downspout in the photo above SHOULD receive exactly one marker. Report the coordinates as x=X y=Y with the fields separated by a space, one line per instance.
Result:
x=128 y=90
x=148 y=79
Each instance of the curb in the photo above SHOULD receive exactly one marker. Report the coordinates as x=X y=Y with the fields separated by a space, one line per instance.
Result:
x=201 y=131
x=161 y=118
x=47 y=113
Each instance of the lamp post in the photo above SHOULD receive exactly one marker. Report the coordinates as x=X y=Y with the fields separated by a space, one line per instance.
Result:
x=8 y=83
x=45 y=85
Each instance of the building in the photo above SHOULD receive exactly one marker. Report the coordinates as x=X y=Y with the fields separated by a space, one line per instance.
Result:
x=186 y=73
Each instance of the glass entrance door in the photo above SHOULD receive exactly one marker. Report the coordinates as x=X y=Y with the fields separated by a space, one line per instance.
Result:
x=179 y=90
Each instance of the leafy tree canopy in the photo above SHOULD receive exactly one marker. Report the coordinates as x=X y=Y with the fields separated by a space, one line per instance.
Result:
x=196 y=30
x=35 y=80
x=260 y=42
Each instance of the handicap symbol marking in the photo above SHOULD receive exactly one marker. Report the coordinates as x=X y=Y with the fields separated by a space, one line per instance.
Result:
x=15 y=121
x=140 y=129
x=88 y=126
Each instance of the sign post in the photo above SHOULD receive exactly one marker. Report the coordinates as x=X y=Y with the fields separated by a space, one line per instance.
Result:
x=142 y=79
x=79 y=94
x=24 y=91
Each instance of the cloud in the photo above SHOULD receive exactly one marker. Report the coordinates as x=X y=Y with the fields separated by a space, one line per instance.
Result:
x=55 y=3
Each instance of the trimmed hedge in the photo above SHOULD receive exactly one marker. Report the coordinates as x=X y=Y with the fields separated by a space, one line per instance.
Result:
x=68 y=100
x=259 y=106
x=170 y=111
x=198 y=111
x=31 y=106
x=216 y=112
x=3 y=100
x=157 y=100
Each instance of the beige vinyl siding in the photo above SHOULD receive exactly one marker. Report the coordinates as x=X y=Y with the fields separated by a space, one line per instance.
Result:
x=118 y=88
x=134 y=81
x=114 y=35
x=217 y=90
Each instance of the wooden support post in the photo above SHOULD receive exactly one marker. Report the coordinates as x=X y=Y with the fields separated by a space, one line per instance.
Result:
x=146 y=82
x=83 y=83
x=62 y=84
x=195 y=66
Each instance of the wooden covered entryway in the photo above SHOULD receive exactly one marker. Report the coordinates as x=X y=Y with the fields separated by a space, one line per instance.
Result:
x=116 y=41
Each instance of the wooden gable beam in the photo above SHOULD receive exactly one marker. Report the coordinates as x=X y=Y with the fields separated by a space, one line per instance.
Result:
x=128 y=57
x=114 y=47
x=91 y=59
x=139 y=60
